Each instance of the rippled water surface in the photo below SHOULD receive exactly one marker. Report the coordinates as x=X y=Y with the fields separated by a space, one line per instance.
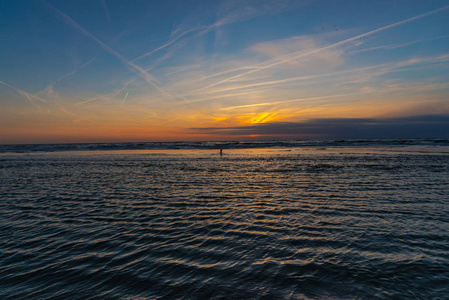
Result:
x=260 y=224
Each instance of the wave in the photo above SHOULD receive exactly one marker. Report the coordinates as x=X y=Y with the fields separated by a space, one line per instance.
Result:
x=23 y=148
x=126 y=226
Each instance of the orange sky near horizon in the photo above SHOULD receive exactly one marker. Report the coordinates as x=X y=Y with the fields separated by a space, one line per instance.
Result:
x=222 y=71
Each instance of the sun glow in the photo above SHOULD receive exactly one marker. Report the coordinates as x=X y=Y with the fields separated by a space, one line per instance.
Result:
x=208 y=75
x=263 y=118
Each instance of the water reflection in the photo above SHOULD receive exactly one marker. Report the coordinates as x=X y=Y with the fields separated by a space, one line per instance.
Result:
x=253 y=223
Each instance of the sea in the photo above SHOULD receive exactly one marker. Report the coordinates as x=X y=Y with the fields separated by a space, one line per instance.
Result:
x=341 y=219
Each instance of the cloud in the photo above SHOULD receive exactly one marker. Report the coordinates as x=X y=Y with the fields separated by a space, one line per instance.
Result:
x=135 y=68
x=230 y=11
x=49 y=87
x=139 y=71
x=299 y=54
x=349 y=82
x=233 y=11
x=34 y=98
x=111 y=95
x=126 y=96
x=106 y=10
x=280 y=49
x=424 y=126
x=396 y=46
x=31 y=98
x=170 y=42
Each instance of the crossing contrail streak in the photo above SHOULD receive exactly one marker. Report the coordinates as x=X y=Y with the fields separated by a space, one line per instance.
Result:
x=361 y=36
x=126 y=96
x=165 y=45
x=134 y=67
x=137 y=69
x=27 y=95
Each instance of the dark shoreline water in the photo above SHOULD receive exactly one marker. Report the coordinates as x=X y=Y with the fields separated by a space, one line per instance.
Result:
x=259 y=224
x=26 y=148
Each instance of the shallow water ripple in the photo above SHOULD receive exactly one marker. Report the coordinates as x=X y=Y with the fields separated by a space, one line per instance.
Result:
x=200 y=226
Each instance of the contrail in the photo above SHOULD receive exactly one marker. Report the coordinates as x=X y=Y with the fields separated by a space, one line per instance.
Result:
x=292 y=100
x=202 y=30
x=418 y=89
x=390 y=67
x=29 y=96
x=110 y=95
x=166 y=44
x=126 y=96
x=105 y=7
x=361 y=36
x=230 y=19
x=66 y=75
x=137 y=69
x=395 y=46
x=307 y=77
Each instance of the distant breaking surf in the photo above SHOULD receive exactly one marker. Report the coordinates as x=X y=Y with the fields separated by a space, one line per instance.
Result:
x=219 y=145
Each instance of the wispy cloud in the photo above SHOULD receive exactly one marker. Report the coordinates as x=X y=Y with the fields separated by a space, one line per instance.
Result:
x=396 y=46
x=111 y=95
x=233 y=62
x=106 y=10
x=134 y=67
x=234 y=11
x=344 y=77
x=181 y=69
x=31 y=98
x=170 y=42
x=292 y=100
x=51 y=85
x=296 y=55
x=230 y=12
x=391 y=88
x=421 y=126
x=126 y=96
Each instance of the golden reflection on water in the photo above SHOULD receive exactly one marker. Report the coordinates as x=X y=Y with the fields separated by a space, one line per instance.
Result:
x=334 y=150
x=282 y=219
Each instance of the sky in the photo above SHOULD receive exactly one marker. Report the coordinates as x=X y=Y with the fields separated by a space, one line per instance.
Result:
x=128 y=71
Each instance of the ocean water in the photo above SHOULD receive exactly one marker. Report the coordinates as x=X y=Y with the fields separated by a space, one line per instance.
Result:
x=368 y=222
x=225 y=145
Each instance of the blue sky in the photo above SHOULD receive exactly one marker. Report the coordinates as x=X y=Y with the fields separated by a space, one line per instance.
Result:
x=104 y=70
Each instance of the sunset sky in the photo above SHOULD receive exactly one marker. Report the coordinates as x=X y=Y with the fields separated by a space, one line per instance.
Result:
x=116 y=71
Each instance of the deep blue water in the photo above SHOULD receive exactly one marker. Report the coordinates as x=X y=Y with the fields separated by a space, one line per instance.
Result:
x=259 y=224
